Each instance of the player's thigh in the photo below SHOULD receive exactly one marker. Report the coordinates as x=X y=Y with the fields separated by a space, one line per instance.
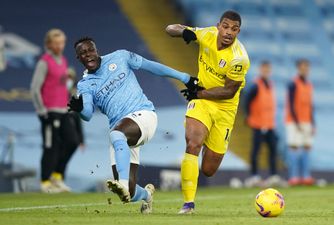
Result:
x=219 y=136
x=147 y=122
x=130 y=129
x=293 y=136
x=211 y=161
x=198 y=123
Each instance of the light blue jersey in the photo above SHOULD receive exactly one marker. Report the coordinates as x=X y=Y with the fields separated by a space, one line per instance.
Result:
x=114 y=88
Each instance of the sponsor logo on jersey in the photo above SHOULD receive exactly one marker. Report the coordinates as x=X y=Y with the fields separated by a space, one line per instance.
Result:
x=210 y=69
x=112 y=67
x=191 y=105
x=222 y=63
x=111 y=85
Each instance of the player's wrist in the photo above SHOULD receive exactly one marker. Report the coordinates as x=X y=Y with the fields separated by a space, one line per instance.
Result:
x=200 y=94
x=186 y=78
x=188 y=36
x=192 y=83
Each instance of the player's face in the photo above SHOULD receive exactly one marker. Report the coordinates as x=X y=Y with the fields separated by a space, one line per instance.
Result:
x=304 y=69
x=57 y=44
x=88 y=55
x=265 y=71
x=228 y=31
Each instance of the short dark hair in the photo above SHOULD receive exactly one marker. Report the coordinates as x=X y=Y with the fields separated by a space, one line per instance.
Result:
x=83 y=39
x=232 y=15
x=265 y=63
x=301 y=61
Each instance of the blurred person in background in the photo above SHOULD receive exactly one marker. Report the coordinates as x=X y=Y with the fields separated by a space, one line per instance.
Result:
x=71 y=132
x=50 y=96
x=261 y=110
x=300 y=125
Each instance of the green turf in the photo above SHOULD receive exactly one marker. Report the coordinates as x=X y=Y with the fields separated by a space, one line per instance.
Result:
x=304 y=205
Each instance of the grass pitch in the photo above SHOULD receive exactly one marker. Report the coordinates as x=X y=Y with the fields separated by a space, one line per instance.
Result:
x=304 y=205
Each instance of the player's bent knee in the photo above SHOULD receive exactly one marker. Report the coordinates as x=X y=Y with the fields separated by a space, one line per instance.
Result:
x=193 y=147
x=117 y=135
x=208 y=172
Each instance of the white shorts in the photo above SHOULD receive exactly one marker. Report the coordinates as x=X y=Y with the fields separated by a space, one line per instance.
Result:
x=147 y=122
x=299 y=138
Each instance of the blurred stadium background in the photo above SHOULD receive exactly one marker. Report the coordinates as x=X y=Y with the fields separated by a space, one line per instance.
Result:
x=277 y=30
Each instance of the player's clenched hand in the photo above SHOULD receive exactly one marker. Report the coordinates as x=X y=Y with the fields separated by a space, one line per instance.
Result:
x=188 y=36
x=75 y=104
x=192 y=84
x=190 y=95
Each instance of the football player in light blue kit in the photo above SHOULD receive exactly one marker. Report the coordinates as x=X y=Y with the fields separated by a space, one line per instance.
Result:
x=110 y=84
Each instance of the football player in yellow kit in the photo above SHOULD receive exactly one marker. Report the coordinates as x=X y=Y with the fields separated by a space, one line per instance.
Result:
x=223 y=63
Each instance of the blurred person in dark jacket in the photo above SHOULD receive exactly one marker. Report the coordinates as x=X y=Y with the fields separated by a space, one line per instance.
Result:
x=50 y=96
x=261 y=111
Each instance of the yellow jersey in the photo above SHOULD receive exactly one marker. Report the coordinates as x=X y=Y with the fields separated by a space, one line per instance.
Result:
x=215 y=65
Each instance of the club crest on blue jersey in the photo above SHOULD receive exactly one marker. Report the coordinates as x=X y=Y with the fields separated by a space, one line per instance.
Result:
x=112 y=67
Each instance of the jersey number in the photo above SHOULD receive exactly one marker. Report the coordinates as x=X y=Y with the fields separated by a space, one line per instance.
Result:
x=237 y=68
x=227 y=133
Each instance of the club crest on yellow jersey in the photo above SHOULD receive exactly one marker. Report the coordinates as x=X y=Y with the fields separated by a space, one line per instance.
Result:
x=222 y=63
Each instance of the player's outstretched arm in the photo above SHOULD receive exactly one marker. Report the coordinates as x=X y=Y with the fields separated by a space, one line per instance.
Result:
x=178 y=30
x=175 y=30
x=165 y=71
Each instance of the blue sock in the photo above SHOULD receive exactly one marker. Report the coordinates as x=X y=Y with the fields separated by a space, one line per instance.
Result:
x=140 y=194
x=294 y=156
x=305 y=164
x=122 y=154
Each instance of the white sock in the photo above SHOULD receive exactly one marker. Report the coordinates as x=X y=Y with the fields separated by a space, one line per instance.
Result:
x=149 y=196
x=125 y=183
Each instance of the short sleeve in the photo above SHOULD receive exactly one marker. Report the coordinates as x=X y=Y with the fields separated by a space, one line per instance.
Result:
x=200 y=32
x=237 y=69
x=134 y=60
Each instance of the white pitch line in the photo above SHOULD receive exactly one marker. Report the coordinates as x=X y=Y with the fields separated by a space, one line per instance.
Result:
x=49 y=207
x=211 y=197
